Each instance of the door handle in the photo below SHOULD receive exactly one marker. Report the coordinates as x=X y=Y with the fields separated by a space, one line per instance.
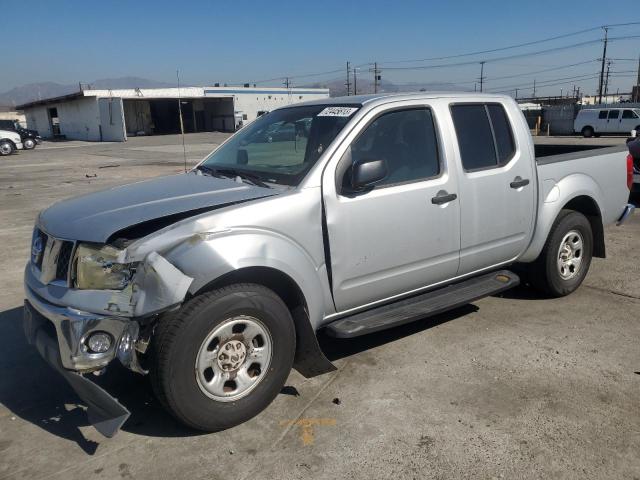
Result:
x=519 y=182
x=443 y=197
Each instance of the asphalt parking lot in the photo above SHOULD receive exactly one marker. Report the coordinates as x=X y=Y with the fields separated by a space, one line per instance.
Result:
x=515 y=386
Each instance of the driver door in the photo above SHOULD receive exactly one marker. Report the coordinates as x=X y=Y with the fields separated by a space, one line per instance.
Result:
x=397 y=236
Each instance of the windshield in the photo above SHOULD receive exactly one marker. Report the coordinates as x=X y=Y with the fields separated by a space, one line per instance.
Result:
x=281 y=146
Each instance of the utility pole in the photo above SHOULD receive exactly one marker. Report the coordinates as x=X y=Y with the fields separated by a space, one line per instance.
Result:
x=534 y=88
x=606 y=81
x=348 y=82
x=604 y=56
x=376 y=77
x=637 y=99
x=516 y=94
x=286 y=82
x=355 y=81
x=481 y=74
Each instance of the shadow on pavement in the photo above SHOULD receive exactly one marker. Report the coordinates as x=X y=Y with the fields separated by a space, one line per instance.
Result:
x=34 y=392
x=336 y=348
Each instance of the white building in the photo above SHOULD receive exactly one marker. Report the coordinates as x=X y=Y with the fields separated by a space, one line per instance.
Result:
x=112 y=115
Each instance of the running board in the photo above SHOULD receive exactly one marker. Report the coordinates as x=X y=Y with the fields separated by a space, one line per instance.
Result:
x=423 y=305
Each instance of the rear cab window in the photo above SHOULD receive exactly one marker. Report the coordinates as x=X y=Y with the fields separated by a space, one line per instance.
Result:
x=485 y=135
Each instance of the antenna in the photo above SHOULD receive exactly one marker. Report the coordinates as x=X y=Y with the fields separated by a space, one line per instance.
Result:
x=184 y=150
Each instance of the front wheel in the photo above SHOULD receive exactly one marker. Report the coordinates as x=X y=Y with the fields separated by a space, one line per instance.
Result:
x=587 y=132
x=566 y=256
x=29 y=144
x=223 y=357
x=6 y=148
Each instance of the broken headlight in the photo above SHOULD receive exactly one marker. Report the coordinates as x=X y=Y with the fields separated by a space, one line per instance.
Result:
x=97 y=268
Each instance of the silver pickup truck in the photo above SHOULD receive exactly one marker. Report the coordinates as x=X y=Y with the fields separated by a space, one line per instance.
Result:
x=366 y=213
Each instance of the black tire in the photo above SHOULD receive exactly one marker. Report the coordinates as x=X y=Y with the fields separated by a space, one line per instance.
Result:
x=587 y=132
x=545 y=273
x=29 y=144
x=6 y=148
x=178 y=338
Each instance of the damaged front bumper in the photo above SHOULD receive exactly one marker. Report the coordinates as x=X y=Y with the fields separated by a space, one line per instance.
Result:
x=73 y=328
x=105 y=413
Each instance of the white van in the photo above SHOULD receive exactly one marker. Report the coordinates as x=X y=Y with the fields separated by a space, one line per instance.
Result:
x=594 y=121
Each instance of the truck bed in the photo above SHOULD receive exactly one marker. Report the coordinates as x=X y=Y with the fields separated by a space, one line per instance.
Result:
x=549 y=153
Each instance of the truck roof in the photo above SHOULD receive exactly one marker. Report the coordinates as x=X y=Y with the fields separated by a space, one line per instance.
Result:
x=394 y=97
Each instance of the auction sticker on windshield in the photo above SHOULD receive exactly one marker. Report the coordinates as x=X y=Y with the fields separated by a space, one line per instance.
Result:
x=337 y=112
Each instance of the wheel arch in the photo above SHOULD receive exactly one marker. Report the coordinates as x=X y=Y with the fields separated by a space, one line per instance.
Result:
x=587 y=206
x=584 y=197
x=309 y=359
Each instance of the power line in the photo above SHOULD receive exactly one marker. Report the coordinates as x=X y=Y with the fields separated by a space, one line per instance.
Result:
x=509 y=47
x=468 y=54
x=497 y=59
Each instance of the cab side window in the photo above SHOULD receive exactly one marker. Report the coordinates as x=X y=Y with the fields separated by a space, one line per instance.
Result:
x=485 y=137
x=406 y=140
x=629 y=114
x=614 y=114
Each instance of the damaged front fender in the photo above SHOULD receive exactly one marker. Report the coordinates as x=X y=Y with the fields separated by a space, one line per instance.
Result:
x=157 y=286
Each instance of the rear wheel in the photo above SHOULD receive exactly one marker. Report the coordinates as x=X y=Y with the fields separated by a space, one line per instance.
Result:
x=6 y=148
x=223 y=357
x=587 y=132
x=566 y=256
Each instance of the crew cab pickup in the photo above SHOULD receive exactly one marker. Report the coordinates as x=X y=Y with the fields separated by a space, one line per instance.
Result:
x=384 y=209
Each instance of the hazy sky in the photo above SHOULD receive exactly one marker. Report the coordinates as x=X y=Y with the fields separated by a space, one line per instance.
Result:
x=242 y=41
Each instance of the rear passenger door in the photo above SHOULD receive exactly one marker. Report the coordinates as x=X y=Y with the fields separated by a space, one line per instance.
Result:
x=613 y=121
x=497 y=185
x=601 y=123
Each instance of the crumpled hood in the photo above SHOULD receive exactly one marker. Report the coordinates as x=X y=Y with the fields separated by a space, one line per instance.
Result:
x=97 y=216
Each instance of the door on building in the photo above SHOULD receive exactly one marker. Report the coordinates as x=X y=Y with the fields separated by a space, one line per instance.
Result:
x=187 y=116
x=54 y=121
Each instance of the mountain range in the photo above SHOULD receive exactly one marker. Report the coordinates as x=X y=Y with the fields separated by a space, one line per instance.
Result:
x=35 y=91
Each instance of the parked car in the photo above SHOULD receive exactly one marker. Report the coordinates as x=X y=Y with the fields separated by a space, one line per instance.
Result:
x=10 y=141
x=215 y=281
x=30 y=138
x=594 y=121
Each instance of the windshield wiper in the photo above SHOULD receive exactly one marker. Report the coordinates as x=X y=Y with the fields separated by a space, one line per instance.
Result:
x=227 y=172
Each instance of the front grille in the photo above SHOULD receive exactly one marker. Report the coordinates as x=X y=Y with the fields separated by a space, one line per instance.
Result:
x=54 y=258
x=63 y=260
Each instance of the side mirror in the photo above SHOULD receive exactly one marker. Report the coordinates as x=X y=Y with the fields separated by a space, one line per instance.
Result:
x=367 y=173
